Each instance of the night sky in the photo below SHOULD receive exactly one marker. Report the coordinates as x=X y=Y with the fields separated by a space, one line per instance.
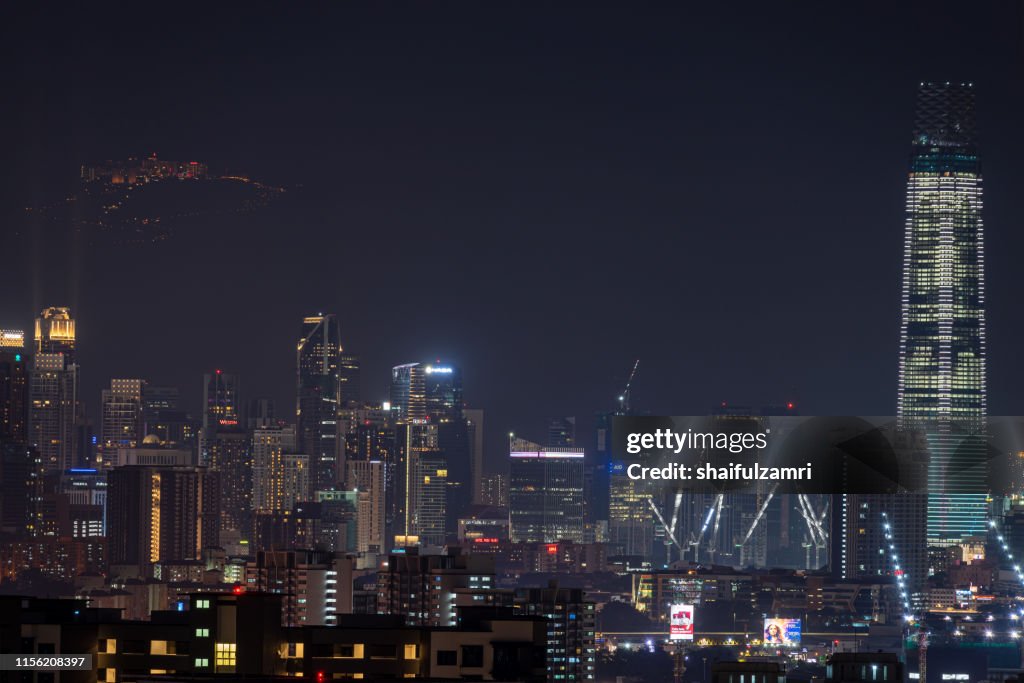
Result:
x=539 y=194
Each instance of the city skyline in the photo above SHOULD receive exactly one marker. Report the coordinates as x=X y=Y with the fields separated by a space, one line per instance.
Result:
x=386 y=182
x=641 y=343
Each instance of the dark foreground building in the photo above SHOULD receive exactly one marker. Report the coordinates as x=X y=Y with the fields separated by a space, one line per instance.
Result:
x=230 y=636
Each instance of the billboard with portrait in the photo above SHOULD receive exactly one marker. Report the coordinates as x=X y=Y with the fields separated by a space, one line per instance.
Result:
x=782 y=632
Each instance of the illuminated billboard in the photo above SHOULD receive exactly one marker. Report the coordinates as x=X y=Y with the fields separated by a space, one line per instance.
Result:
x=680 y=626
x=782 y=632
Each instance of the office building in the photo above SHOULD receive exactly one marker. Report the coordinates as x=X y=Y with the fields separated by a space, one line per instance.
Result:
x=475 y=437
x=163 y=416
x=14 y=383
x=221 y=408
x=349 y=378
x=122 y=414
x=942 y=331
x=421 y=390
x=561 y=432
x=318 y=383
x=545 y=493
x=53 y=391
x=494 y=490
x=419 y=497
x=85 y=490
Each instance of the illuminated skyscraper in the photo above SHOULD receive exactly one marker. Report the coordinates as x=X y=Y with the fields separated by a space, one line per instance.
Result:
x=55 y=333
x=122 y=414
x=433 y=392
x=160 y=513
x=367 y=478
x=419 y=497
x=14 y=380
x=942 y=334
x=545 y=493
x=230 y=456
x=17 y=461
x=349 y=378
x=319 y=389
x=221 y=408
x=280 y=477
x=53 y=391
x=420 y=390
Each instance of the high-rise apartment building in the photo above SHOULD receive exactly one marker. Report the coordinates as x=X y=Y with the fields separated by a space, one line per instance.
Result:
x=230 y=455
x=426 y=589
x=366 y=477
x=571 y=622
x=157 y=514
x=280 y=476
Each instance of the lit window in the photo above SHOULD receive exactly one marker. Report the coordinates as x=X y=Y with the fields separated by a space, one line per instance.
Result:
x=411 y=651
x=202 y=662
x=225 y=655
x=202 y=633
x=202 y=604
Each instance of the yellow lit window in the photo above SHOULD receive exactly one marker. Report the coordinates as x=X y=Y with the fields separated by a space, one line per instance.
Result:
x=411 y=651
x=160 y=647
x=225 y=655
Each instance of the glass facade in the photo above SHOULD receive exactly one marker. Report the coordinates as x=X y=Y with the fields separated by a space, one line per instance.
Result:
x=942 y=334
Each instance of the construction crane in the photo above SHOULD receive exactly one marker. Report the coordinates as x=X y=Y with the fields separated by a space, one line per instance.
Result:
x=624 y=396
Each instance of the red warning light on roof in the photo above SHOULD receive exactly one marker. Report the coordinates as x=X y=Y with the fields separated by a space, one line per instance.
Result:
x=552 y=548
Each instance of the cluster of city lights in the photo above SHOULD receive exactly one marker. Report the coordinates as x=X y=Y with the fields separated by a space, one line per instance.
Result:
x=897 y=570
x=1009 y=558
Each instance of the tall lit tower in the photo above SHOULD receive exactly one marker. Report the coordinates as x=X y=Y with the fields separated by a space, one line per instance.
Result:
x=53 y=390
x=319 y=391
x=221 y=408
x=942 y=334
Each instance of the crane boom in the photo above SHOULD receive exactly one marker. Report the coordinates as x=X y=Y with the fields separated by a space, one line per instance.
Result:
x=624 y=396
